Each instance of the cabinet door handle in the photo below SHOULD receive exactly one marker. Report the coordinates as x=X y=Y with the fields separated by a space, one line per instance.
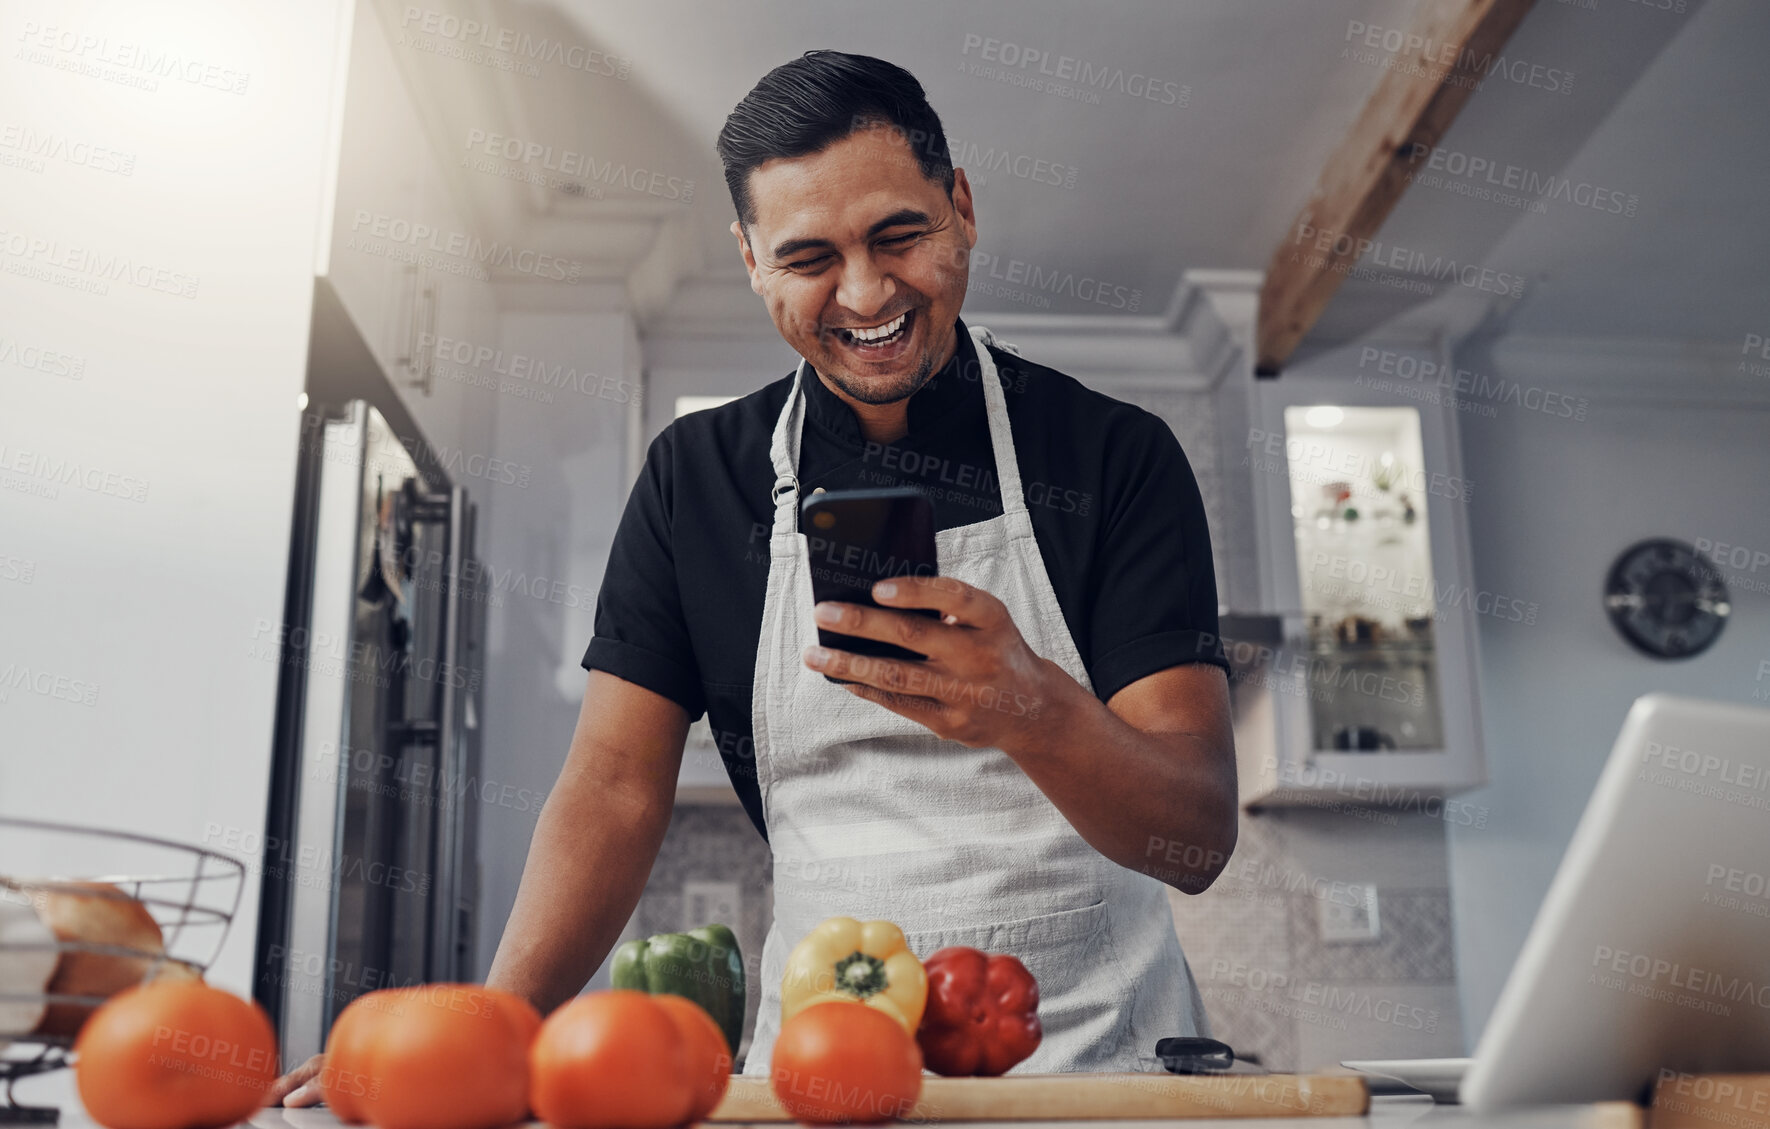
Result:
x=427 y=339
x=408 y=359
x=420 y=331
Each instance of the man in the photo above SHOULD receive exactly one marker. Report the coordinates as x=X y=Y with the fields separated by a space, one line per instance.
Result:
x=1068 y=735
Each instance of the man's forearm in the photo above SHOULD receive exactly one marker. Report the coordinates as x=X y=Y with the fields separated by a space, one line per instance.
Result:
x=1149 y=801
x=587 y=865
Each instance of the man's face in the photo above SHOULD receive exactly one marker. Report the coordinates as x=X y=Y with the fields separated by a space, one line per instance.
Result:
x=856 y=237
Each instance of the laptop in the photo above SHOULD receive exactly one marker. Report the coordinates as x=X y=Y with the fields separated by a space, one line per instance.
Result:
x=1651 y=952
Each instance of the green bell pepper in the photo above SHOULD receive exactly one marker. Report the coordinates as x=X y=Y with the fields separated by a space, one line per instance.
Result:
x=702 y=965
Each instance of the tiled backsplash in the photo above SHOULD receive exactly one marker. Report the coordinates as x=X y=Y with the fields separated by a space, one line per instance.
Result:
x=712 y=843
x=1272 y=987
x=1275 y=989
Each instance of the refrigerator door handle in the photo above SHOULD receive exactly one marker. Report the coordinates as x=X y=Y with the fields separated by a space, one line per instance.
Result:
x=450 y=762
x=449 y=510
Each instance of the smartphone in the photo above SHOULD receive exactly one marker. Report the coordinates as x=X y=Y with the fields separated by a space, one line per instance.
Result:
x=859 y=537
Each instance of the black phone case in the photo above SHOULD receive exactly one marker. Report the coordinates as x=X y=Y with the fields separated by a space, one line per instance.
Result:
x=858 y=537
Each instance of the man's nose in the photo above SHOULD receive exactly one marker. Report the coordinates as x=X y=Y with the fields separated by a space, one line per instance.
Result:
x=863 y=289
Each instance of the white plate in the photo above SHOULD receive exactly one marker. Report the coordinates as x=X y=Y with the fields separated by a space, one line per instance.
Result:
x=1439 y=1077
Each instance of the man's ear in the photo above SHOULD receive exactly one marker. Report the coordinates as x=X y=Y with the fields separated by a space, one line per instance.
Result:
x=964 y=205
x=737 y=229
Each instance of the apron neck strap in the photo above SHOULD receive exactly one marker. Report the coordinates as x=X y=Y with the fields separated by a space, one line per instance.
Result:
x=783 y=448
x=1001 y=435
x=783 y=452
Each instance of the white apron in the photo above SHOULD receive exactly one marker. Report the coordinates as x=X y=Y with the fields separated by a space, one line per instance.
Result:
x=871 y=815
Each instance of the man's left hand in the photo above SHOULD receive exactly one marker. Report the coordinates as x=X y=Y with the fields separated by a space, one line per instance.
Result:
x=981 y=684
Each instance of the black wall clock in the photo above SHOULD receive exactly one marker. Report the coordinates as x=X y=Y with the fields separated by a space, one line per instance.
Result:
x=1666 y=599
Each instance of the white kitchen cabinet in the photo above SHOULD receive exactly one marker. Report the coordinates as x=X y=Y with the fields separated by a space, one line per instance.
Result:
x=453 y=312
x=382 y=163
x=404 y=256
x=1365 y=689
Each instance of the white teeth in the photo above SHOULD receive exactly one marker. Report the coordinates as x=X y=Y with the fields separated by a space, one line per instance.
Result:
x=879 y=333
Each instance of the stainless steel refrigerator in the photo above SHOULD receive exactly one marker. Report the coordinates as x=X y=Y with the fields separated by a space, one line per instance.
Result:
x=369 y=869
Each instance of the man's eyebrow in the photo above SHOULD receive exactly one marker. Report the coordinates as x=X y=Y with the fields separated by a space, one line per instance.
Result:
x=900 y=218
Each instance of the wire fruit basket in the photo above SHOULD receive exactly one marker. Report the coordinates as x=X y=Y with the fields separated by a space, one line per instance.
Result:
x=190 y=893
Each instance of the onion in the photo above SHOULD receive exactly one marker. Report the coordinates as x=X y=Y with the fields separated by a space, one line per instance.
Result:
x=23 y=971
x=96 y=913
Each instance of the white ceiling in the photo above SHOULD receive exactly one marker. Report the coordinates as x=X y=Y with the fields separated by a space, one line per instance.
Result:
x=1157 y=188
x=1665 y=106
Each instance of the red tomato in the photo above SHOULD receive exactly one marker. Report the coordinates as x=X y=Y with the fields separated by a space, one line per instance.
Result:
x=611 y=1060
x=174 y=1054
x=518 y=1012
x=437 y=1056
x=710 y=1059
x=841 y=1062
x=343 y=1080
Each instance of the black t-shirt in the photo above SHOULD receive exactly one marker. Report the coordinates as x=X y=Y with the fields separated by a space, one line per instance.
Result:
x=1115 y=510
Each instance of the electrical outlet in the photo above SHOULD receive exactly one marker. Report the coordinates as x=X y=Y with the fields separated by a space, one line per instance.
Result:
x=1349 y=913
x=705 y=903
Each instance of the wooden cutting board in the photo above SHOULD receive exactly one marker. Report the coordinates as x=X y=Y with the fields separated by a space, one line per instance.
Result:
x=1097 y=1097
x=1708 y=1101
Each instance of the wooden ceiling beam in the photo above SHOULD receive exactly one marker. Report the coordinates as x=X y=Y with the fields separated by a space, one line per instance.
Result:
x=1438 y=64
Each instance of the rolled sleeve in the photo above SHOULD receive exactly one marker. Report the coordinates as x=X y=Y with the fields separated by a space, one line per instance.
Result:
x=657 y=673
x=1143 y=657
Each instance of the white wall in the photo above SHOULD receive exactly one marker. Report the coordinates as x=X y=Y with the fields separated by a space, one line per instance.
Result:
x=734 y=365
x=1555 y=500
x=141 y=587
x=545 y=547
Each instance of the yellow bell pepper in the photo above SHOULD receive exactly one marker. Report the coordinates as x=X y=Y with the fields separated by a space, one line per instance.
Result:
x=860 y=962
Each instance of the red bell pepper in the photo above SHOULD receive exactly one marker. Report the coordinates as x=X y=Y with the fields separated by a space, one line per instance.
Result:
x=982 y=1015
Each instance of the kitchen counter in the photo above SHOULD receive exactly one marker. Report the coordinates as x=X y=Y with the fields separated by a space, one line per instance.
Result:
x=1385 y=1113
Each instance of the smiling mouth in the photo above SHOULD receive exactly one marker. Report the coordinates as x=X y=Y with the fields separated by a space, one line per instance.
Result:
x=880 y=336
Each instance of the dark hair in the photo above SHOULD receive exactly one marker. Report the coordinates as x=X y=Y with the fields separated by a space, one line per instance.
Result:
x=809 y=104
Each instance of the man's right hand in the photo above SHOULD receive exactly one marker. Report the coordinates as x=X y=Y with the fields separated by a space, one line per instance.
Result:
x=300 y=1087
